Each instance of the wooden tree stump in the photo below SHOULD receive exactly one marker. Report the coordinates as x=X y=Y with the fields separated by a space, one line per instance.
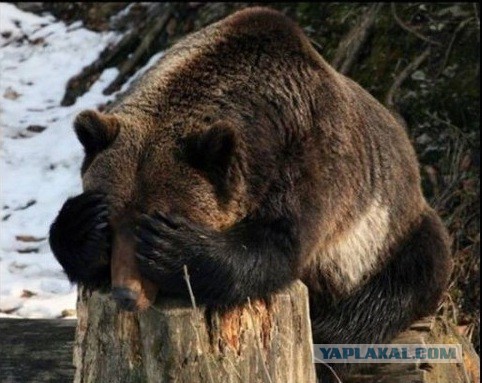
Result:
x=172 y=342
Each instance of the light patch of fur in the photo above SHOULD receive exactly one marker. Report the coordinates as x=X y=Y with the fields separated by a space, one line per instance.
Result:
x=357 y=252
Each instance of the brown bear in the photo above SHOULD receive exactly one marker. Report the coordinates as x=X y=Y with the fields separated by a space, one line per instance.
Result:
x=246 y=157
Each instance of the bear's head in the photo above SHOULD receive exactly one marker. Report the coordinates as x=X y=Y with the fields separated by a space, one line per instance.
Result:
x=144 y=166
x=201 y=133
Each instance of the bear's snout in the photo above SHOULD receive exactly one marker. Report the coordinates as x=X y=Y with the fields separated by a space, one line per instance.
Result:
x=129 y=289
x=125 y=298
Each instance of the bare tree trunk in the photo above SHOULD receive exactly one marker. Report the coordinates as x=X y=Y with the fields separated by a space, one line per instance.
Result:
x=173 y=342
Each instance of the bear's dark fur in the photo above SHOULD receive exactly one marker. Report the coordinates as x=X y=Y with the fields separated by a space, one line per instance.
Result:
x=245 y=156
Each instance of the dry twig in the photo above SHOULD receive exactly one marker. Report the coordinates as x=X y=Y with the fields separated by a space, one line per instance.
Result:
x=352 y=44
x=409 y=69
x=452 y=40
x=197 y=317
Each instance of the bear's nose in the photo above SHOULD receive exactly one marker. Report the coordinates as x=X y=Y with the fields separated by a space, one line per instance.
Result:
x=125 y=298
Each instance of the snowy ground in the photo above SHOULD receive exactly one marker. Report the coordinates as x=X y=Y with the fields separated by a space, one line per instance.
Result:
x=40 y=156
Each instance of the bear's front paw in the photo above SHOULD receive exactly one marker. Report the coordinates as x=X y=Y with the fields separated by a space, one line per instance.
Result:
x=80 y=237
x=166 y=243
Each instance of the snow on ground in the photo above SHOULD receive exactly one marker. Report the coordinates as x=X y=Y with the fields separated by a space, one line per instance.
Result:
x=39 y=168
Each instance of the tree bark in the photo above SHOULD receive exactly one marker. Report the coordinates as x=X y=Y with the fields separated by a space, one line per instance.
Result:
x=432 y=330
x=172 y=342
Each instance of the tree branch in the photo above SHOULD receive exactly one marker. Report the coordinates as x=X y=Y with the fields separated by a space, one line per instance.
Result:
x=452 y=40
x=409 y=69
x=411 y=30
x=351 y=45
x=110 y=57
x=129 y=66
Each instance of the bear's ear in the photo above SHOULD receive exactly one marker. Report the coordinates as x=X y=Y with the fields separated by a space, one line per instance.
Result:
x=213 y=153
x=95 y=131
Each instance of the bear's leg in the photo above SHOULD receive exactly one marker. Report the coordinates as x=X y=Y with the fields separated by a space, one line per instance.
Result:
x=252 y=259
x=408 y=287
x=80 y=238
